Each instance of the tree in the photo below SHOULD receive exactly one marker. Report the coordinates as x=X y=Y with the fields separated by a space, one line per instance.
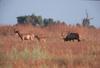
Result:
x=40 y=20
x=28 y=19
x=86 y=22
x=50 y=21
x=35 y=20
x=45 y=22
x=21 y=19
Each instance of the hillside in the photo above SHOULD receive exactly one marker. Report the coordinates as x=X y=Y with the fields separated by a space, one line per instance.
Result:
x=50 y=51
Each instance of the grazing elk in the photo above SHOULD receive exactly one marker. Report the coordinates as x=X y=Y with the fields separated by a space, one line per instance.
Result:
x=42 y=39
x=25 y=36
x=72 y=36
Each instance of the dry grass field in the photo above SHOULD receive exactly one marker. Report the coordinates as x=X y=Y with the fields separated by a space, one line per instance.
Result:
x=51 y=51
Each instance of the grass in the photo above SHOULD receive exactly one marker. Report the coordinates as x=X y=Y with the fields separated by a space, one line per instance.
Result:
x=44 y=66
x=25 y=54
x=6 y=66
x=37 y=53
x=87 y=58
x=14 y=54
x=4 y=61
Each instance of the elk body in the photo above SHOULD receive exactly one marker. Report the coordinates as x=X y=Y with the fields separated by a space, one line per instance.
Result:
x=25 y=36
x=72 y=36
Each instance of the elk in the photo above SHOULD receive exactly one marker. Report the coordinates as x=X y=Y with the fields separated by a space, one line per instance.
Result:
x=72 y=36
x=25 y=36
x=40 y=38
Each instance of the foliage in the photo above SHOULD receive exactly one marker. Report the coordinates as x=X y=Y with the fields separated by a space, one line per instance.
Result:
x=35 y=20
x=48 y=21
x=21 y=19
x=86 y=22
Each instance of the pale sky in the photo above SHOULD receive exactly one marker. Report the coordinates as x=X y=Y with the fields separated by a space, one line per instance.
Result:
x=70 y=11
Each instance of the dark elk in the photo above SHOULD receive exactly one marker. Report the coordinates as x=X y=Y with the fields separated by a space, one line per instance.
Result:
x=72 y=36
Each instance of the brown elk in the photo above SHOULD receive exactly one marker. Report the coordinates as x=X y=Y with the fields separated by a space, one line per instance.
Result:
x=27 y=36
x=41 y=39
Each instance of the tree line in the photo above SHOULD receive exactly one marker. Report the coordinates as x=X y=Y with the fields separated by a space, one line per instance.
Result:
x=40 y=21
x=35 y=20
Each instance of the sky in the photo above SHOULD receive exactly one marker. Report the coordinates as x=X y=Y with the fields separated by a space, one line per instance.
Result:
x=69 y=11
